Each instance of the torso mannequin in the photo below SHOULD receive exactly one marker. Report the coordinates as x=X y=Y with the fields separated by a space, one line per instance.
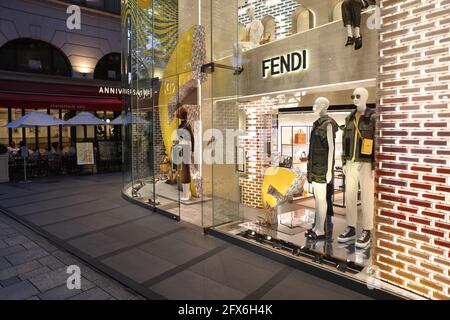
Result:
x=322 y=140
x=254 y=32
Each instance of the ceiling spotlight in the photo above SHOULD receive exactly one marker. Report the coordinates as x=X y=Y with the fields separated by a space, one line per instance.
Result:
x=269 y=238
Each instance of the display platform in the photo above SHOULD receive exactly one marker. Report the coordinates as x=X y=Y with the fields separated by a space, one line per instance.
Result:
x=290 y=233
x=165 y=193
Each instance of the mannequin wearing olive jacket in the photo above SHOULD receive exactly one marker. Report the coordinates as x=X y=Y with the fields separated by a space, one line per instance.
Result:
x=358 y=147
x=321 y=164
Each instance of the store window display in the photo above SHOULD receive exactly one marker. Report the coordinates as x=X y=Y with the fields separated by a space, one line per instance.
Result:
x=185 y=143
x=359 y=160
x=253 y=35
x=321 y=164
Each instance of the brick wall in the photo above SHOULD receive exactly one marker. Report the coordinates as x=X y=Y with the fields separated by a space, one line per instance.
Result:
x=282 y=12
x=258 y=128
x=413 y=175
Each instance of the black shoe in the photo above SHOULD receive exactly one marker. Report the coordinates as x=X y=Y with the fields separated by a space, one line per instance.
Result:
x=358 y=43
x=311 y=235
x=350 y=41
x=364 y=240
x=348 y=235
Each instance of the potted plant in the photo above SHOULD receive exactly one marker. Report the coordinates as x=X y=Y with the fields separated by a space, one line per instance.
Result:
x=4 y=173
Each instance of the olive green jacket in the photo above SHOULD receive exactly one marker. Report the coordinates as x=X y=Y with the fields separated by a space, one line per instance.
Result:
x=318 y=149
x=367 y=125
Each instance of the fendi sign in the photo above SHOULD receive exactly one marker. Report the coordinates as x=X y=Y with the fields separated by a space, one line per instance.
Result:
x=288 y=63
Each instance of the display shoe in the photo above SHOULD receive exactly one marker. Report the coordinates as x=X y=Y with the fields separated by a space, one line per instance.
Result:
x=313 y=236
x=364 y=240
x=358 y=43
x=350 y=41
x=348 y=235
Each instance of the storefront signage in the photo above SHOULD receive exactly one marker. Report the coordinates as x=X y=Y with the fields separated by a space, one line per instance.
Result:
x=143 y=93
x=285 y=64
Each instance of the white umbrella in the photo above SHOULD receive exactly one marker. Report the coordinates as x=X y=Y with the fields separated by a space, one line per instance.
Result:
x=35 y=119
x=85 y=118
x=128 y=118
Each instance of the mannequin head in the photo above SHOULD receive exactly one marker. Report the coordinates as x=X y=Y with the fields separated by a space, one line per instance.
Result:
x=321 y=106
x=360 y=97
x=251 y=12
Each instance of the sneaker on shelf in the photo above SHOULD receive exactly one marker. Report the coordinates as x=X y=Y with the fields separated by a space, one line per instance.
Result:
x=348 y=235
x=364 y=240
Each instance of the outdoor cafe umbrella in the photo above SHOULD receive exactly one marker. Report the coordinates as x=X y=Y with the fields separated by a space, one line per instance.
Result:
x=128 y=118
x=35 y=119
x=85 y=118
x=30 y=120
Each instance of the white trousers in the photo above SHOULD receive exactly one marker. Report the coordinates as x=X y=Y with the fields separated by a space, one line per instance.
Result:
x=320 y=195
x=359 y=173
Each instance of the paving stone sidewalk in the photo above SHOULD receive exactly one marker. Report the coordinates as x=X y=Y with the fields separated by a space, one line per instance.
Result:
x=31 y=268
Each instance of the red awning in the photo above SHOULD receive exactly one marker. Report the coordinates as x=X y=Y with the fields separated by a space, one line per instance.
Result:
x=31 y=95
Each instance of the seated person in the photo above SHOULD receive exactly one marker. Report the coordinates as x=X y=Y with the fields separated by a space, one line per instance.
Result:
x=351 y=15
x=12 y=149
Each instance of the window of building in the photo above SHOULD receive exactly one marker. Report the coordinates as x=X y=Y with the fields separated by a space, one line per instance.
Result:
x=337 y=10
x=108 y=68
x=34 y=56
x=3 y=131
x=302 y=20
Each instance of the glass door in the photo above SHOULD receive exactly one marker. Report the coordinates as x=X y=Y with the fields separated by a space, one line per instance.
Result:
x=222 y=118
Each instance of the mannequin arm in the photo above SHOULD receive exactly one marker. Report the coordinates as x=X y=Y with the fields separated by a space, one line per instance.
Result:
x=330 y=139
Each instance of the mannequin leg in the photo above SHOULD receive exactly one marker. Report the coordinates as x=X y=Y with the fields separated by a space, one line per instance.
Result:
x=367 y=196
x=320 y=195
x=186 y=193
x=357 y=32
x=351 y=193
x=349 y=31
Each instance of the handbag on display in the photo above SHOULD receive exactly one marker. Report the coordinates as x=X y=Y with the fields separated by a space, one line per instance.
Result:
x=286 y=162
x=300 y=137
x=303 y=157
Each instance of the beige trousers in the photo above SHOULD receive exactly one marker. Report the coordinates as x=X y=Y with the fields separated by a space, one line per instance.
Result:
x=320 y=195
x=359 y=173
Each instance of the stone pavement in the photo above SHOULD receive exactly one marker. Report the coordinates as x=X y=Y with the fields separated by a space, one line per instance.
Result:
x=155 y=256
x=31 y=268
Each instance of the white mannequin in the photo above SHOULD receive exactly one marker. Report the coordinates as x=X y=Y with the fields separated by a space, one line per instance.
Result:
x=361 y=103
x=320 y=189
x=255 y=30
x=359 y=174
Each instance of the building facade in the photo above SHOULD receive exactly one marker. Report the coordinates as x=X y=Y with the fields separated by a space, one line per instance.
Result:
x=46 y=65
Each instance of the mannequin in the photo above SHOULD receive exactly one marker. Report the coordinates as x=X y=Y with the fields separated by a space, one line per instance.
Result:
x=254 y=32
x=186 y=143
x=351 y=15
x=321 y=164
x=358 y=160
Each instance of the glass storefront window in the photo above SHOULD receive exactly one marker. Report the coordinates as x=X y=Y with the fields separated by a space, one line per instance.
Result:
x=17 y=134
x=3 y=131
x=288 y=106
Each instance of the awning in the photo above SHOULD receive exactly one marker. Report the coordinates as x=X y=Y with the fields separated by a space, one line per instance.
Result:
x=32 y=95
